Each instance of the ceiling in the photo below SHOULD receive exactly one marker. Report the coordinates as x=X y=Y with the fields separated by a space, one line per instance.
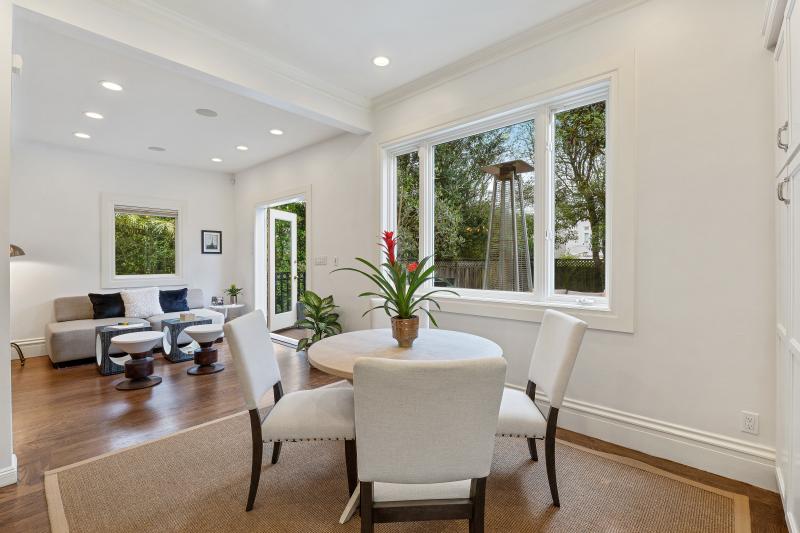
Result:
x=336 y=41
x=59 y=82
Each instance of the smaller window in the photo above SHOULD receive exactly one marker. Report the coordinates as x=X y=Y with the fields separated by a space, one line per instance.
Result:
x=144 y=241
x=141 y=243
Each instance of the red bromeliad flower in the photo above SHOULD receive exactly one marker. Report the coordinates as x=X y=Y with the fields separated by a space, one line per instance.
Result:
x=390 y=242
x=412 y=267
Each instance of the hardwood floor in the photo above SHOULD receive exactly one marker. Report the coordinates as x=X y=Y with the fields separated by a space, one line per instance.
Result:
x=67 y=415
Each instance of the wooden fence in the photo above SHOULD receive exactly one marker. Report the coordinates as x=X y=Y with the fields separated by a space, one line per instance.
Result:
x=576 y=275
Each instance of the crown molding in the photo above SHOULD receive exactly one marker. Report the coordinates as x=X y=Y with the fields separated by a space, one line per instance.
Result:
x=530 y=38
x=168 y=18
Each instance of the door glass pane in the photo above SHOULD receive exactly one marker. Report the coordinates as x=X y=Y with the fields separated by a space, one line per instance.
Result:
x=283 y=266
x=484 y=209
x=408 y=206
x=580 y=200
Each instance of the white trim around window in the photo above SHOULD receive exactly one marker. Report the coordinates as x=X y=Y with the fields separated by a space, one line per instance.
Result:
x=614 y=312
x=109 y=278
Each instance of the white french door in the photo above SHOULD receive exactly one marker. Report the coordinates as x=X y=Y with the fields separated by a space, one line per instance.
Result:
x=282 y=269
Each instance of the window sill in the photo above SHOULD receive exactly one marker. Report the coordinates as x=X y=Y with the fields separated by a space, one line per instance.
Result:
x=121 y=282
x=598 y=316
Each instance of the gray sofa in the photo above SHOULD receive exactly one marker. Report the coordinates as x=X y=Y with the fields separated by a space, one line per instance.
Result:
x=72 y=335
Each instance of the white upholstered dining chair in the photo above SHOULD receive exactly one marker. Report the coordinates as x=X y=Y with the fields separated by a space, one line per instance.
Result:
x=309 y=415
x=560 y=337
x=425 y=438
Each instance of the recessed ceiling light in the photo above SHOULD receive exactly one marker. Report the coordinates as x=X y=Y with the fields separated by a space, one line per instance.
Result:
x=111 y=86
x=94 y=115
x=157 y=148
x=242 y=148
x=216 y=160
x=276 y=132
x=380 y=61
x=81 y=135
x=210 y=113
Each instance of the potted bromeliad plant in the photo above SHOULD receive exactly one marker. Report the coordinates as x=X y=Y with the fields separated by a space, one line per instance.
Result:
x=320 y=318
x=398 y=285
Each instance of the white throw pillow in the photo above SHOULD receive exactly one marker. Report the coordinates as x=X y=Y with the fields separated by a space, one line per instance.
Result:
x=141 y=303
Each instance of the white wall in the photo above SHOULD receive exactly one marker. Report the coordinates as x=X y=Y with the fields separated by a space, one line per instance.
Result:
x=8 y=463
x=55 y=218
x=702 y=349
x=341 y=217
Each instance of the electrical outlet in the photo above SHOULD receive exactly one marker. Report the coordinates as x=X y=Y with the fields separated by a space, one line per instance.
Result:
x=748 y=422
x=335 y=261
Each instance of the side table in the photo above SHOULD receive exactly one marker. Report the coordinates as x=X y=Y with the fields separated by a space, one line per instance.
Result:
x=103 y=335
x=172 y=328
x=139 y=368
x=225 y=309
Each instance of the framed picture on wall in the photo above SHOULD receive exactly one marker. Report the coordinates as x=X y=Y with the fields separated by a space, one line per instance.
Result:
x=211 y=241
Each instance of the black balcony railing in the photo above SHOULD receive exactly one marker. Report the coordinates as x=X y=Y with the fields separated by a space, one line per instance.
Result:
x=283 y=290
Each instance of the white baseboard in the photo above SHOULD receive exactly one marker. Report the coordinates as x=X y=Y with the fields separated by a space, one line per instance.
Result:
x=712 y=452
x=790 y=521
x=8 y=475
x=30 y=347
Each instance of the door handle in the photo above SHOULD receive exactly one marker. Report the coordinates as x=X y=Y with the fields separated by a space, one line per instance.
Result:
x=782 y=145
x=779 y=190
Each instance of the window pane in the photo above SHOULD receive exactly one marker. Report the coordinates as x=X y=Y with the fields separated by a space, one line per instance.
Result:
x=283 y=266
x=408 y=206
x=483 y=219
x=580 y=200
x=144 y=244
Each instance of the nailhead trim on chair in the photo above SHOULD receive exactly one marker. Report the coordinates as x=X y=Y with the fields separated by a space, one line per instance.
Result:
x=306 y=440
x=520 y=436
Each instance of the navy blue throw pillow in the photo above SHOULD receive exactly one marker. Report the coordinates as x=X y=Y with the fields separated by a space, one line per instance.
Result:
x=107 y=305
x=173 y=301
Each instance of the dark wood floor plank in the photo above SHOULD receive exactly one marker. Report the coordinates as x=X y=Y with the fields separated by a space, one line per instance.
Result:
x=62 y=416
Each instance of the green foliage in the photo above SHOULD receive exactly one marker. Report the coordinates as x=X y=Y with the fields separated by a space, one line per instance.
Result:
x=283 y=239
x=144 y=244
x=233 y=290
x=580 y=174
x=462 y=191
x=320 y=319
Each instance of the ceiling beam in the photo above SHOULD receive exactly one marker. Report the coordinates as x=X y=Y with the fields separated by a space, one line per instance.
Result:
x=208 y=56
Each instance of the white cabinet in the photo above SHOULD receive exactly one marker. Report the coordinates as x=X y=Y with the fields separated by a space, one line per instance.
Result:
x=782 y=126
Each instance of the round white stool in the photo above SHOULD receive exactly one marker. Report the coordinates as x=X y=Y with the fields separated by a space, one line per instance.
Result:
x=205 y=358
x=139 y=368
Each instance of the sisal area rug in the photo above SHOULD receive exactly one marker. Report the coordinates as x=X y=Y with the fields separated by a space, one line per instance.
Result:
x=197 y=480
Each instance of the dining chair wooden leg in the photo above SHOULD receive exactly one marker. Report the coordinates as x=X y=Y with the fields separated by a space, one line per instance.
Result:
x=550 y=454
x=258 y=452
x=351 y=461
x=276 y=452
x=478 y=497
x=367 y=526
x=532 y=449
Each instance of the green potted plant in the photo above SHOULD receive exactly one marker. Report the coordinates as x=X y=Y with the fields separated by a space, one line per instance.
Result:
x=233 y=291
x=397 y=286
x=320 y=318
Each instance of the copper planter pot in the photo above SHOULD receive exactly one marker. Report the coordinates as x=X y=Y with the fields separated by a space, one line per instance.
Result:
x=404 y=330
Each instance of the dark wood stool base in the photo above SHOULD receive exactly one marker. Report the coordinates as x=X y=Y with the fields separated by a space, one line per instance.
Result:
x=205 y=361
x=141 y=383
x=199 y=370
x=139 y=373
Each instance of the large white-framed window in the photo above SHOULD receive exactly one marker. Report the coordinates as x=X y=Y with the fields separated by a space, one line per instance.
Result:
x=142 y=241
x=515 y=208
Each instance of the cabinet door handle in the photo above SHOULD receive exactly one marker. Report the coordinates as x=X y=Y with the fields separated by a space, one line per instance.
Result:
x=781 y=197
x=783 y=146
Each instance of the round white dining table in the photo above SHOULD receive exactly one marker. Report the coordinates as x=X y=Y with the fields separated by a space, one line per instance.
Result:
x=336 y=355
